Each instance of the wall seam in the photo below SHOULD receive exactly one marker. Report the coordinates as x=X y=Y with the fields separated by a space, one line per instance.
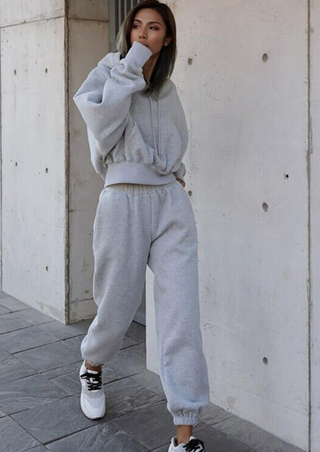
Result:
x=309 y=282
x=67 y=166
x=1 y=171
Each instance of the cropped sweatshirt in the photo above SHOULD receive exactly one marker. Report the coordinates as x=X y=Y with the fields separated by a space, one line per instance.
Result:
x=133 y=137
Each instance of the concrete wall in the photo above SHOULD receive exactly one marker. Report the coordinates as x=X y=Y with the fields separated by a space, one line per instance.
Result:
x=33 y=155
x=49 y=188
x=242 y=73
x=314 y=203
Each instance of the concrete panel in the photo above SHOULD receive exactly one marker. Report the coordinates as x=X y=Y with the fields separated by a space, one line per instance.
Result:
x=19 y=11
x=33 y=159
x=315 y=224
x=242 y=75
x=89 y=10
x=88 y=43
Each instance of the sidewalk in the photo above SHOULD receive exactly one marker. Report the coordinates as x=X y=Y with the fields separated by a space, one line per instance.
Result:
x=40 y=389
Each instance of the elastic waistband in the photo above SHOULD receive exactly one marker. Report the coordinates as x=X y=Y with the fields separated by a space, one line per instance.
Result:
x=138 y=189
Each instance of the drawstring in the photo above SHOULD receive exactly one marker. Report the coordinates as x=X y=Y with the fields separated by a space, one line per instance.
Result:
x=159 y=134
x=154 y=135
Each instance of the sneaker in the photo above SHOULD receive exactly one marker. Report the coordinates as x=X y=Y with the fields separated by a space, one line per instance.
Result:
x=92 y=400
x=194 y=445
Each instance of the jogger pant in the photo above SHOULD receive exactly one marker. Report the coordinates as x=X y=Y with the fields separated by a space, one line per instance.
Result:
x=138 y=225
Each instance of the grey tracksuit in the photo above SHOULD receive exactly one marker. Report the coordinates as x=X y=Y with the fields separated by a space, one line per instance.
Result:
x=138 y=225
x=144 y=217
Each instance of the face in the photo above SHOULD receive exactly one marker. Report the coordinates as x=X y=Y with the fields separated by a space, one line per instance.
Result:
x=149 y=29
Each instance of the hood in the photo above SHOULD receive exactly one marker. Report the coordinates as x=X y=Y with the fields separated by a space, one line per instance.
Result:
x=111 y=60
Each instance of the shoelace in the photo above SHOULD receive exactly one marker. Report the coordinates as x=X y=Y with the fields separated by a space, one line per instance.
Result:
x=94 y=381
x=195 y=445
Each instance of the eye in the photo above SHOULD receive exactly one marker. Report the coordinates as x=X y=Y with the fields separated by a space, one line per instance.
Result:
x=134 y=26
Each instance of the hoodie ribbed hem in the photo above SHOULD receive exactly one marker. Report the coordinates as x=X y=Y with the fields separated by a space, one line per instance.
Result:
x=135 y=173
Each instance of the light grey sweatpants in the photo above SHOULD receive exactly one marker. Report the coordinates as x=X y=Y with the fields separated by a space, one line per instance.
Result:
x=138 y=225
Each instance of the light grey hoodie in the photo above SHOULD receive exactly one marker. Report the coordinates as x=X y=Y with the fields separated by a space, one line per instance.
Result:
x=133 y=137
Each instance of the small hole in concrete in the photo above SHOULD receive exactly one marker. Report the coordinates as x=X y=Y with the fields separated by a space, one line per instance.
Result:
x=190 y=61
x=286 y=176
x=16 y=163
x=265 y=360
x=265 y=57
x=265 y=206
x=46 y=70
x=15 y=72
x=47 y=268
x=189 y=192
x=47 y=170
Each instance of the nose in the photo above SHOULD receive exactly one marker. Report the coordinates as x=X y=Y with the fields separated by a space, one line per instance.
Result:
x=142 y=33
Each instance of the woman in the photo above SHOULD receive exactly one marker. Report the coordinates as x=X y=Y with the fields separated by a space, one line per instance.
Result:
x=138 y=135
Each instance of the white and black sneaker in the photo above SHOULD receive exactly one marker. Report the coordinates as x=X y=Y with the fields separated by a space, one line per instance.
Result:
x=194 y=445
x=92 y=399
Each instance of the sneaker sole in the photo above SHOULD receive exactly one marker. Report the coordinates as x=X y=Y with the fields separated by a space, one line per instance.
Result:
x=85 y=411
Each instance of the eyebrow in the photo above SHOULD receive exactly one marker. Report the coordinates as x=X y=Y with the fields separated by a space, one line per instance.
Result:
x=151 y=21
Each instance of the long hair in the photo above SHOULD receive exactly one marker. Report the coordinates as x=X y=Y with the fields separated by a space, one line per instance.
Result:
x=167 y=56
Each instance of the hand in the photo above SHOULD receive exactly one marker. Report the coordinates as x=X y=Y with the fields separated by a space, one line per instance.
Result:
x=181 y=182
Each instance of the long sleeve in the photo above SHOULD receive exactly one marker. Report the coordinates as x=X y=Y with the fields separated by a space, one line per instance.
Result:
x=104 y=98
x=99 y=166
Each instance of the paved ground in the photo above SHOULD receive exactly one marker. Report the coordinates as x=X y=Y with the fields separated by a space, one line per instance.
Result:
x=39 y=395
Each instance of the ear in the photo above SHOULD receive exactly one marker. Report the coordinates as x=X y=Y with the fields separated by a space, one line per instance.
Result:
x=167 y=41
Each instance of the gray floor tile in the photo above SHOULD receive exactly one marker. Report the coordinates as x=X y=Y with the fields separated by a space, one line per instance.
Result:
x=12 y=303
x=131 y=360
x=150 y=380
x=124 y=396
x=36 y=317
x=67 y=377
x=17 y=341
x=164 y=448
x=55 y=420
x=48 y=356
x=4 y=310
x=61 y=331
x=12 y=369
x=13 y=322
x=136 y=332
x=127 y=342
x=253 y=436
x=100 y=438
x=38 y=449
x=75 y=343
x=14 y=438
x=213 y=414
x=26 y=393
x=151 y=425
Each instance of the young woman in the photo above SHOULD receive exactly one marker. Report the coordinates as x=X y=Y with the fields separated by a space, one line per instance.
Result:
x=138 y=135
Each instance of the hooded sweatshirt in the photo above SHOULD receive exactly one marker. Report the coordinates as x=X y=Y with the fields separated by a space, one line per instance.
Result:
x=133 y=137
